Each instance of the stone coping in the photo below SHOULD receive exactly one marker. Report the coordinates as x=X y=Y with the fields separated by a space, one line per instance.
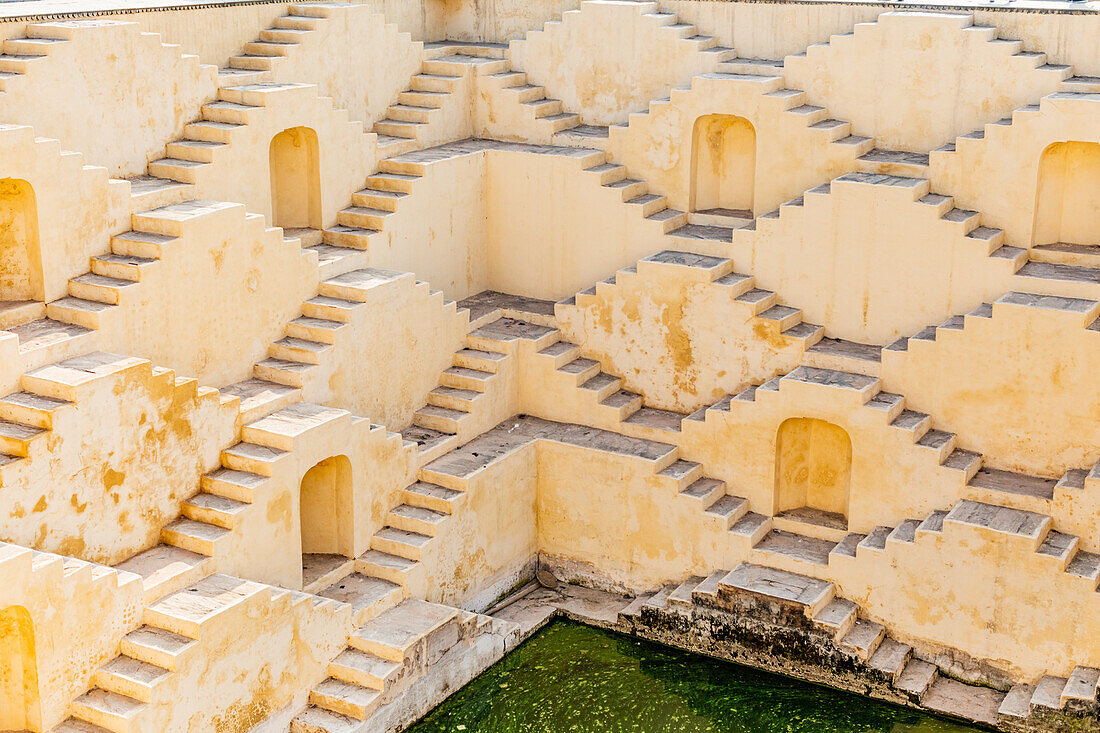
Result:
x=13 y=11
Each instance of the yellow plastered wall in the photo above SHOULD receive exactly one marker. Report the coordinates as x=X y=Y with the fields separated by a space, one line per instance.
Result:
x=223 y=289
x=915 y=81
x=143 y=104
x=19 y=706
x=985 y=593
x=1068 y=197
x=682 y=343
x=911 y=483
x=57 y=195
x=772 y=30
x=533 y=250
x=340 y=155
x=813 y=466
x=609 y=519
x=410 y=334
x=590 y=60
x=870 y=262
x=1012 y=387
x=20 y=246
x=357 y=56
x=236 y=680
x=112 y=470
x=790 y=156
x=1008 y=160
x=59 y=647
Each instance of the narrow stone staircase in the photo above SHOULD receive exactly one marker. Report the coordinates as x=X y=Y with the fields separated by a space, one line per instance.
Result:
x=1026 y=273
x=172 y=637
x=770 y=606
x=388 y=654
x=260 y=57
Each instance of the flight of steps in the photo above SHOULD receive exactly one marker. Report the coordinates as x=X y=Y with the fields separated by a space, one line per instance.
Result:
x=171 y=637
x=785 y=610
x=210 y=517
x=1071 y=86
x=767 y=77
x=292 y=360
x=75 y=578
x=260 y=57
x=474 y=372
x=1061 y=278
x=397 y=176
x=561 y=127
x=385 y=656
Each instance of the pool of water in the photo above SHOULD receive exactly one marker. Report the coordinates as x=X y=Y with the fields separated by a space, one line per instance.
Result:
x=572 y=678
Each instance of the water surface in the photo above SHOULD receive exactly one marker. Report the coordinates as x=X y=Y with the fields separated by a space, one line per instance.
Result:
x=572 y=678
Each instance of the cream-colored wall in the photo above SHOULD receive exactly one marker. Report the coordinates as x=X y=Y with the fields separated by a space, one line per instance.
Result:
x=142 y=104
x=915 y=81
x=241 y=170
x=112 y=470
x=791 y=156
x=69 y=197
x=940 y=591
x=357 y=57
x=871 y=262
x=593 y=59
x=501 y=20
x=224 y=288
x=682 y=341
x=443 y=245
x=772 y=30
x=489 y=540
x=235 y=680
x=533 y=250
x=1007 y=160
x=912 y=483
x=614 y=514
x=68 y=645
x=410 y=336
x=1014 y=386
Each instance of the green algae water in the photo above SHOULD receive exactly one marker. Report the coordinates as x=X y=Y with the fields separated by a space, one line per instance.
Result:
x=571 y=678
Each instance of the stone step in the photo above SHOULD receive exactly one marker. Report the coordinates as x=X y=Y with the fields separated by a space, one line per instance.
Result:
x=118 y=713
x=443 y=419
x=315 y=719
x=165 y=569
x=863 y=639
x=432 y=496
x=405 y=630
x=213 y=509
x=916 y=678
x=368 y=596
x=159 y=647
x=364 y=669
x=346 y=698
x=195 y=536
x=239 y=485
x=186 y=612
x=134 y=678
x=780 y=585
x=379 y=564
x=400 y=542
x=416 y=519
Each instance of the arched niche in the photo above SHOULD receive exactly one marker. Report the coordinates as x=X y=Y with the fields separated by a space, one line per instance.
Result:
x=20 y=252
x=813 y=467
x=723 y=166
x=295 y=179
x=1067 y=201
